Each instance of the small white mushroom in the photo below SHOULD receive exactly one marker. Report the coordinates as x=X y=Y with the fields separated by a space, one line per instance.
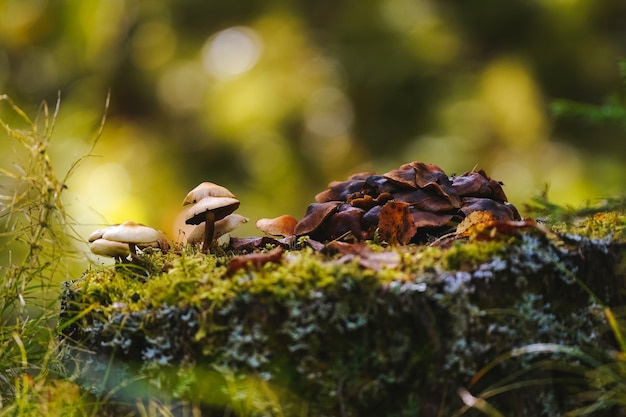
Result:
x=206 y=189
x=133 y=234
x=222 y=227
x=209 y=210
x=98 y=233
x=104 y=247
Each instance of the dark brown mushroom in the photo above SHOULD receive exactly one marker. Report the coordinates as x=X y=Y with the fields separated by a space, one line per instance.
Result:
x=416 y=202
x=500 y=211
x=472 y=184
x=424 y=200
x=428 y=219
x=404 y=177
x=340 y=190
x=346 y=220
x=429 y=173
x=316 y=213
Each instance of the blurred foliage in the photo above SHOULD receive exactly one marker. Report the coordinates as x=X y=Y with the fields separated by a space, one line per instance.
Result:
x=275 y=99
x=613 y=111
x=36 y=253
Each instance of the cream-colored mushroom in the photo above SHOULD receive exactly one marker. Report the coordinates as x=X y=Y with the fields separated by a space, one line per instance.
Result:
x=209 y=210
x=222 y=227
x=104 y=247
x=206 y=189
x=98 y=233
x=133 y=234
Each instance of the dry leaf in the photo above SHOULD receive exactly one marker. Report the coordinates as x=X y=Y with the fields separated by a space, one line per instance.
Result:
x=484 y=225
x=366 y=257
x=253 y=261
x=396 y=224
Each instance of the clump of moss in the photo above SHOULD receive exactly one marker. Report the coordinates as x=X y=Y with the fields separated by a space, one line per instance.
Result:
x=326 y=335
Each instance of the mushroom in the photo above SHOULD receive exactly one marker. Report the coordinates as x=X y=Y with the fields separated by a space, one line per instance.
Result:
x=315 y=215
x=206 y=189
x=104 y=247
x=279 y=226
x=98 y=234
x=210 y=209
x=222 y=227
x=133 y=234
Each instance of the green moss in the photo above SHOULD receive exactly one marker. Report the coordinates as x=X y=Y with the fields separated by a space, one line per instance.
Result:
x=328 y=335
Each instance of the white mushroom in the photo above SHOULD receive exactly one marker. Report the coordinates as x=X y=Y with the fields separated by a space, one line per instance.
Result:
x=206 y=189
x=98 y=233
x=209 y=210
x=133 y=234
x=104 y=247
x=222 y=227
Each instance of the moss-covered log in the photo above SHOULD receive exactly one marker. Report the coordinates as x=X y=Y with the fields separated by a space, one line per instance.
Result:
x=514 y=318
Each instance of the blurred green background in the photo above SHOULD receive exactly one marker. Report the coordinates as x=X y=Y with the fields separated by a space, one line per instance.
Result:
x=274 y=99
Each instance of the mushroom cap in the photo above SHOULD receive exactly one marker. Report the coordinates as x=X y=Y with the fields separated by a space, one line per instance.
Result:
x=131 y=232
x=104 y=247
x=315 y=215
x=98 y=233
x=279 y=226
x=221 y=206
x=228 y=224
x=206 y=189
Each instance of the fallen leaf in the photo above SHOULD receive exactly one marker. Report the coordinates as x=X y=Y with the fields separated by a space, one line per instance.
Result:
x=252 y=243
x=484 y=225
x=253 y=261
x=475 y=222
x=366 y=257
x=395 y=223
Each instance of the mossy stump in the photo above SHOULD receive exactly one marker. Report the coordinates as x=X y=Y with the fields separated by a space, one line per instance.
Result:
x=413 y=330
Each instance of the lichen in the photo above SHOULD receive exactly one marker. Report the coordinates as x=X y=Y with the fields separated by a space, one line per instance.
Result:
x=322 y=331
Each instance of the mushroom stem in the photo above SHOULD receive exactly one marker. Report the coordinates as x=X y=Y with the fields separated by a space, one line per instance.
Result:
x=209 y=230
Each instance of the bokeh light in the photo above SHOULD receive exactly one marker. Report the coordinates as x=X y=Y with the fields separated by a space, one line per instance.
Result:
x=232 y=52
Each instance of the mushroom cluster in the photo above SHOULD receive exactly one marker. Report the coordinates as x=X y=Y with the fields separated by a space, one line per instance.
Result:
x=120 y=240
x=413 y=203
x=211 y=211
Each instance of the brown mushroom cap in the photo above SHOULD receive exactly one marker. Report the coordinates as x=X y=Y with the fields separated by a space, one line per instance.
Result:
x=206 y=189
x=220 y=206
x=316 y=213
x=278 y=226
x=104 y=247
x=131 y=232
x=500 y=211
